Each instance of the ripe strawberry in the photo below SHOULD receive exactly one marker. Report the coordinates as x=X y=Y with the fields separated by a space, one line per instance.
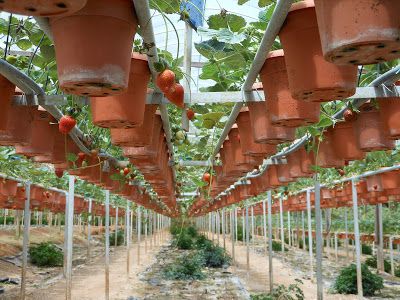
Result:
x=190 y=114
x=81 y=156
x=176 y=95
x=59 y=172
x=341 y=172
x=166 y=80
x=349 y=115
x=206 y=177
x=375 y=187
x=126 y=171
x=66 y=124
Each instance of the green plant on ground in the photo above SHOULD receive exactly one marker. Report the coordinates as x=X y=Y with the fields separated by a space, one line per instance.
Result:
x=202 y=242
x=46 y=255
x=215 y=257
x=277 y=246
x=397 y=272
x=366 y=249
x=346 y=282
x=186 y=267
x=292 y=292
x=240 y=235
x=373 y=263
x=183 y=241
x=191 y=231
x=120 y=238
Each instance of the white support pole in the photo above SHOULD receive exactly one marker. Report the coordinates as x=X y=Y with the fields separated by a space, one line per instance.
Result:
x=233 y=235
x=336 y=247
x=247 y=239
x=139 y=233
x=223 y=227
x=116 y=228
x=243 y=228
x=146 y=219
x=391 y=255
x=69 y=237
x=289 y=229
x=303 y=231
x=319 y=243
x=218 y=223
x=25 y=242
x=380 y=256
x=357 y=241
x=282 y=229
x=89 y=229
x=236 y=224
x=310 y=237
x=271 y=281
x=107 y=256
x=252 y=225
x=265 y=225
x=128 y=237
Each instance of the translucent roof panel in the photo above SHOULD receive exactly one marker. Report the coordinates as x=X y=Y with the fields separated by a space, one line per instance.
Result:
x=166 y=37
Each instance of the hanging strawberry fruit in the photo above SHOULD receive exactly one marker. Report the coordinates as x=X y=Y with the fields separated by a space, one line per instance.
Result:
x=66 y=124
x=176 y=95
x=190 y=114
x=166 y=80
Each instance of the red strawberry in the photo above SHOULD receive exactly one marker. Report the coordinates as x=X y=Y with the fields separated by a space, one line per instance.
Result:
x=166 y=80
x=176 y=95
x=341 y=172
x=66 y=124
x=81 y=156
x=349 y=115
x=59 y=172
x=190 y=114
x=375 y=187
x=126 y=171
x=206 y=177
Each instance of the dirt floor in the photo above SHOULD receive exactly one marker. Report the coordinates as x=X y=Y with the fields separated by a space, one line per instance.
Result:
x=145 y=282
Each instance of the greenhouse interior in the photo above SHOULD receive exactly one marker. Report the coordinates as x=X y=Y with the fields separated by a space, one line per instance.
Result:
x=258 y=160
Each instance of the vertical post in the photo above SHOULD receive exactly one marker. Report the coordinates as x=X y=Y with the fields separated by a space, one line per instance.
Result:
x=303 y=231
x=391 y=255
x=265 y=226
x=146 y=218
x=223 y=227
x=233 y=235
x=247 y=238
x=236 y=224
x=318 y=236
x=289 y=229
x=89 y=233
x=107 y=262
x=252 y=225
x=70 y=228
x=25 y=243
x=336 y=247
x=188 y=69
x=139 y=233
x=380 y=256
x=116 y=227
x=128 y=237
x=218 y=225
x=271 y=281
x=346 y=235
x=282 y=229
x=310 y=237
x=243 y=228
x=357 y=240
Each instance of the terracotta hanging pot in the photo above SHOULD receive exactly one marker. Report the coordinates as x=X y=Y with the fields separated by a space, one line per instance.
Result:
x=42 y=8
x=272 y=173
x=327 y=193
x=93 y=48
x=263 y=131
x=326 y=156
x=283 y=109
x=384 y=181
x=238 y=158
x=389 y=110
x=283 y=172
x=311 y=77
x=359 y=32
x=7 y=89
x=139 y=136
x=294 y=163
x=248 y=146
x=125 y=110
x=370 y=132
x=8 y=188
x=307 y=161
x=42 y=135
x=345 y=142
x=229 y=166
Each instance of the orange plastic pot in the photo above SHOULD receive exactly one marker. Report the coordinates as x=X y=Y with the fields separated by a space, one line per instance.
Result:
x=136 y=137
x=307 y=161
x=8 y=188
x=125 y=110
x=345 y=142
x=326 y=156
x=311 y=77
x=42 y=8
x=283 y=172
x=238 y=158
x=359 y=32
x=370 y=132
x=7 y=89
x=93 y=48
x=248 y=146
x=389 y=110
x=294 y=163
x=263 y=131
x=42 y=135
x=272 y=174
x=283 y=109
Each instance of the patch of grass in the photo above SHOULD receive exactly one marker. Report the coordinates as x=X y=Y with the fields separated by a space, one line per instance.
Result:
x=346 y=282
x=277 y=246
x=292 y=292
x=187 y=267
x=373 y=263
x=46 y=255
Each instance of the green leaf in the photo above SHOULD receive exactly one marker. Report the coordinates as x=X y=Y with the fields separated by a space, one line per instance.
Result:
x=230 y=21
x=266 y=14
x=241 y=2
x=48 y=52
x=24 y=44
x=325 y=122
x=222 y=35
x=72 y=157
x=264 y=3
x=166 y=6
x=209 y=47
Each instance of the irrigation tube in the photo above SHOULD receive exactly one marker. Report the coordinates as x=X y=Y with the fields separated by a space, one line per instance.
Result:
x=278 y=17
